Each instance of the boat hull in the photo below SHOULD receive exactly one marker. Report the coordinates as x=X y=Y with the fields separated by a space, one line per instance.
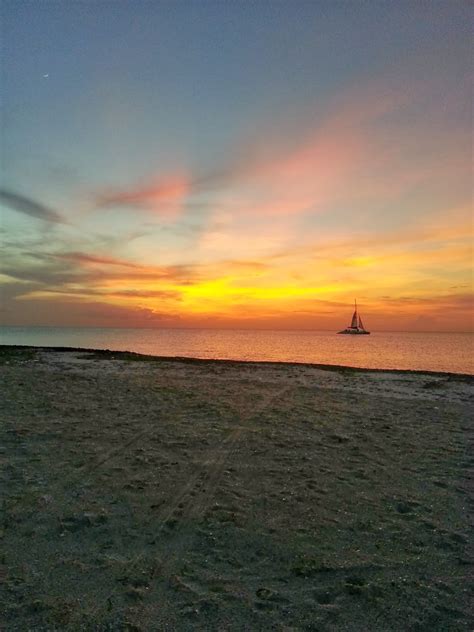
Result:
x=354 y=333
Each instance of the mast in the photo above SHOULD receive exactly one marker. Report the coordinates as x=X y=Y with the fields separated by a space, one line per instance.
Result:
x=354 y=315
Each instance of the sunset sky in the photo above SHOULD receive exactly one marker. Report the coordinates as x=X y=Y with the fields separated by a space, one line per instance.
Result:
x=250 y=164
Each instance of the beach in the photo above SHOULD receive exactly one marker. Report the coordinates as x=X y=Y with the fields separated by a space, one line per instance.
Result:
x=142 y=493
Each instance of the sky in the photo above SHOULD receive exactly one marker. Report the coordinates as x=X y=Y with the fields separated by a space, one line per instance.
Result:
x=236 y=164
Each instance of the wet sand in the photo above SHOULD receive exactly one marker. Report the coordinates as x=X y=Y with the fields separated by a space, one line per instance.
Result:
x=144 y=493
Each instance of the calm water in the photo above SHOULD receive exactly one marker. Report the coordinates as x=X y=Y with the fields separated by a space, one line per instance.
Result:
x=386 y=350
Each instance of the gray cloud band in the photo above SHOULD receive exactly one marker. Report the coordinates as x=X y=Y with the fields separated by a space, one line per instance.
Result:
x=28 y=206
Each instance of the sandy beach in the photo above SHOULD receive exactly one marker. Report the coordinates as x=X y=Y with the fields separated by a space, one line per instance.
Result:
x=142 y=493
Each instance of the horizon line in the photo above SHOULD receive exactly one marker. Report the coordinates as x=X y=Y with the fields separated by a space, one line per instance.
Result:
x=395 y=331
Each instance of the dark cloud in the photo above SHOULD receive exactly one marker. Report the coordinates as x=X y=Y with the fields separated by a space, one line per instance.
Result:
x=42 y=274
x=26 y=205
x=448 y=301
x=80 y=313
x=71 y=292
x=39 y=268
x=11 y=291
x=91 y=267
x=57 y=270
x=81 y=257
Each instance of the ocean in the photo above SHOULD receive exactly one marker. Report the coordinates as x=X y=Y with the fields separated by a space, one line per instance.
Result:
x=449 y=352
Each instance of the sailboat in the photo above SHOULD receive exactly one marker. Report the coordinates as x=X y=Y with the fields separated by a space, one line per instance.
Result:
x=356 y=326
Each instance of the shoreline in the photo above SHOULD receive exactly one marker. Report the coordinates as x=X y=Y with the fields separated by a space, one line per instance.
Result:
x=107 y=353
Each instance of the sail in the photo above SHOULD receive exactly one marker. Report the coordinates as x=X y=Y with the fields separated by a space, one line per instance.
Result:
x=356 y=326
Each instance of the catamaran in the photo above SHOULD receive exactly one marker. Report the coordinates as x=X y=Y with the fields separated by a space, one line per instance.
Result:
x=356 y=326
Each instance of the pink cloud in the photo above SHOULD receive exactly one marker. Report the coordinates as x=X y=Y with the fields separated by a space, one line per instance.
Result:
x=165 y=196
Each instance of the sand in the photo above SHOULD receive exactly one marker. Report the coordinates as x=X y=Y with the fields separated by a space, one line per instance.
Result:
x=146 y=493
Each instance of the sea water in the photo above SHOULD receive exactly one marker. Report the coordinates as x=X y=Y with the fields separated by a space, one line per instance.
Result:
x=452 y=352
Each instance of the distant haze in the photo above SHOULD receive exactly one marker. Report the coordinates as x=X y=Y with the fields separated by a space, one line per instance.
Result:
x=236 y=164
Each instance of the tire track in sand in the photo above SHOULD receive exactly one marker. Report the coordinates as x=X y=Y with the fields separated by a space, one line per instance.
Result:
x=189 y=505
